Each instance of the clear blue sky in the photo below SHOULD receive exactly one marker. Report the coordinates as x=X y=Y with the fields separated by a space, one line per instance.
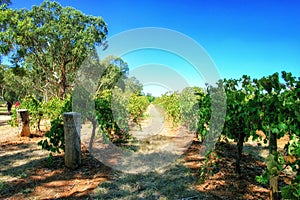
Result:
x=250 y=37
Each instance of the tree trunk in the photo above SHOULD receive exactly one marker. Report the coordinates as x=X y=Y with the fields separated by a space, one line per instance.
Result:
x=62 y=84
x=272 y=142
x=62 y=90
x=2 y=92
x=239 y=151
x=39 y=122
x=72 y=126
x=23 y=122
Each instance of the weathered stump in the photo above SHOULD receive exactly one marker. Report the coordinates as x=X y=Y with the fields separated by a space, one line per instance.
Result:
x=72 y=128
x=23 y=122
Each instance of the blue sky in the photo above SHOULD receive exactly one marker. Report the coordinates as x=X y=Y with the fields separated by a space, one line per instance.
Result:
x=250 y=37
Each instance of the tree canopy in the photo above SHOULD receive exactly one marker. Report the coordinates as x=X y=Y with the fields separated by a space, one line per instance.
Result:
x=51 y=41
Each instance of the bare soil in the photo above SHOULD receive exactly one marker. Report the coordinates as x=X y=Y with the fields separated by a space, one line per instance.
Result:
x=25 y=173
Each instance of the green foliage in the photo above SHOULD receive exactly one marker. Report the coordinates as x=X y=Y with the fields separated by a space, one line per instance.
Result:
x=171 y=105
x=294 y=146
x=39 y=110
x=13 y=122
x=65 y=37
x=277 y=163
x=137 y=107
x=265 y=104
x=150 y=97
x=112 y=116
x=11 y=78
x=115 y=75
x=263 y=178
x=281 y=116
x=55 y=136
x=189 y=108
x=115 y=108
x=252 y=104
x=204 y=104
x=105 y=100
x=209 y=166
x=291 y=191
x=53 y=108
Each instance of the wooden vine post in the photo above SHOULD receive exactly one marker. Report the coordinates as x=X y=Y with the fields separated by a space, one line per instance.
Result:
x=274 y=192
x=23 y=122
x=72 y=126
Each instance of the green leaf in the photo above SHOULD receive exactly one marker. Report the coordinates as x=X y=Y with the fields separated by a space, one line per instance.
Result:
x=282 y=127
x=275 y=130
x=263 y=179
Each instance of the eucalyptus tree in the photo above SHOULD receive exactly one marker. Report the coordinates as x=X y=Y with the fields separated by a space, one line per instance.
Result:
x=115 y=73
x=51 y=41
x=15 y=83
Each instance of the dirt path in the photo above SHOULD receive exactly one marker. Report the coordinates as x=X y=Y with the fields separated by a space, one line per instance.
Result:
x=7 y=133
x=156 y=145
x=152 y=125
x=4 y=119
x=155 y=170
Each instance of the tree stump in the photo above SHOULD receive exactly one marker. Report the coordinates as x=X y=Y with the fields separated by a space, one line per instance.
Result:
x=72 y=126
x=23 y=122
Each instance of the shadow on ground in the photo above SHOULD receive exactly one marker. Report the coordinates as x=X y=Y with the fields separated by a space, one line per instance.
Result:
x=21 y=177
x=174 y=183
x=221 y=180
x=41 y=179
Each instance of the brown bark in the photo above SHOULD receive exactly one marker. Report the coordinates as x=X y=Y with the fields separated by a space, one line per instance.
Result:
x=62 y=87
